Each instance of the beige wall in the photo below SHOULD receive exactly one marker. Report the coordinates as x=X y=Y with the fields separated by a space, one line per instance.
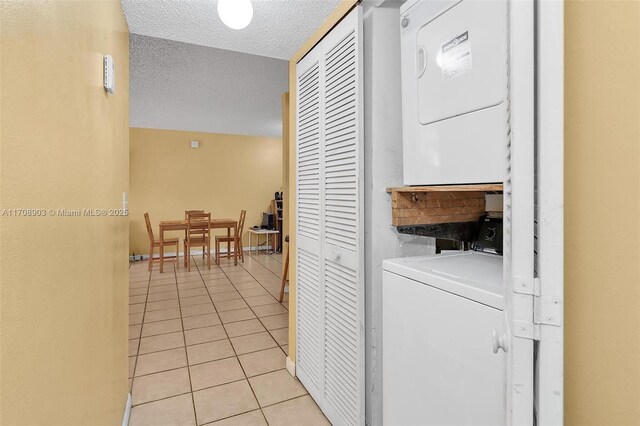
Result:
x=63 y=280
x=226 y=174
x=602 y=212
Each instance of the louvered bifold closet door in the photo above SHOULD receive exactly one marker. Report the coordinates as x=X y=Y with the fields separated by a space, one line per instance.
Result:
x=309 y=299
x=343 y=249
x=330 y=252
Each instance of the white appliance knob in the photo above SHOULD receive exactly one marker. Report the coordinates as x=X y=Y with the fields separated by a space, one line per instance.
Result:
x=499 y=342
x=404 y=22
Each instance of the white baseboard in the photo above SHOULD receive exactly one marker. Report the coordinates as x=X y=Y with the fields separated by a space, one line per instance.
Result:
x=127 y=411
x=291 y=367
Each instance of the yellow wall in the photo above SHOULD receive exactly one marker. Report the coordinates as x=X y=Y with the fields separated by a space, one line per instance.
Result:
x=226 y=174
x=63 y=280
x=602 y=212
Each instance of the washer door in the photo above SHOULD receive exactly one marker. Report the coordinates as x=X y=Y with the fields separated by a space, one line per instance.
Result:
x=442 y=357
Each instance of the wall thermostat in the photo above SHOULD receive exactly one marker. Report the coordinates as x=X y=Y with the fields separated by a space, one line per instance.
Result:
x=195 y=144
x=109 y=74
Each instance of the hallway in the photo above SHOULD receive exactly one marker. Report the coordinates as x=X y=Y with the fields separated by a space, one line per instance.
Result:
x=210 y=346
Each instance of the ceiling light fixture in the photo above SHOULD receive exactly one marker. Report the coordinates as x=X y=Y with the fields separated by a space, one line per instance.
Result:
x=236 y=14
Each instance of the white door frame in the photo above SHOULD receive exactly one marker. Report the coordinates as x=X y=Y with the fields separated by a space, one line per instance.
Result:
x=549 y=377
x=519 y=213
x=535 y=214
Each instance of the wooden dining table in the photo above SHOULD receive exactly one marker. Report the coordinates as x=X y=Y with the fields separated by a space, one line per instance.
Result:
x=181 y=225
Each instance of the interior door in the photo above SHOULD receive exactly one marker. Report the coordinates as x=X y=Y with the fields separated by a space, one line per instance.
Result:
x=330 y=252
x=343 y=239
x=310 y=288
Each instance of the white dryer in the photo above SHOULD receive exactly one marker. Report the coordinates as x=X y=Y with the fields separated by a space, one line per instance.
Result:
x=443 y=327
x=454 y=85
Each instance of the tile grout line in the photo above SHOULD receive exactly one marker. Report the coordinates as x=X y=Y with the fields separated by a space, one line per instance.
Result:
x=205 y=362
x=204 y=343
x=184 y=337
x=280 y=278
x=259 y=318
x=223 y=324
x=135 y=363
x=198 y=315
x=251 y=307
x=233 y=347
x=222 y=384
x=260 y=409
x=274 y=273
x=261 y=323
x=184 y=347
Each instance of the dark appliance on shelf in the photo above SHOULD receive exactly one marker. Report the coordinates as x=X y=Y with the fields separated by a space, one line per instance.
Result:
x=267 y=221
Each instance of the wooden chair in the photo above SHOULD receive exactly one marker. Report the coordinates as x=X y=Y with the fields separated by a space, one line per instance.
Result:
x=153 y=243
x=198 y=235
x=230 y=239
x=186 y=216
x=188 y=212
x=285 y=271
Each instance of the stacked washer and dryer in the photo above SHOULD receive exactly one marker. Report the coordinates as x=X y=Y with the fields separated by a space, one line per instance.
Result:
x=443 y=315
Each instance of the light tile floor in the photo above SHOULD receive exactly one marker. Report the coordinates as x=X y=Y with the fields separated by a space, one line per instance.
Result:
x=209 y=346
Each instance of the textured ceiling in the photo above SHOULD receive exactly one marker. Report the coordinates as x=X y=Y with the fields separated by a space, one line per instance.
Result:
x=180 y=86
x=278 y=28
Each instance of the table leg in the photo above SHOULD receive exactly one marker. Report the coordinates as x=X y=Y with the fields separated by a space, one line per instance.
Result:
x=228 y=242
x=161 y=249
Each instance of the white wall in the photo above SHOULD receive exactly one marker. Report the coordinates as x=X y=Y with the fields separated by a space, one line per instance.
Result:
x=180 y=86
x=383 y=168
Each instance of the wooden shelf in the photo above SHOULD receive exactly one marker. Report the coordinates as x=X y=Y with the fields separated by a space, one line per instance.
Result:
x=489 y=187
x=429 y=205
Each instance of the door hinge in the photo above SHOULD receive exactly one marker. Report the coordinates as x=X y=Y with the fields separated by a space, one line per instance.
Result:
x=530 y=286
x=546 y=310
x=526 y=330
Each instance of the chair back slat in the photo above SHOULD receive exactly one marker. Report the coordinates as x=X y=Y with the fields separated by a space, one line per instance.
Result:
x=186 y=216
x=198 y=225
x=188 y=212
x=149 y=228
